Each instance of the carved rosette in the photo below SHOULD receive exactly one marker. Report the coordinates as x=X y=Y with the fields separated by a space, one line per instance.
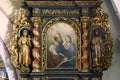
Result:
x=36 y=44
x=85 y=63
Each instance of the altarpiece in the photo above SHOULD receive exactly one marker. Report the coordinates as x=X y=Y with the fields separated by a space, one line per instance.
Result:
x=61 y=40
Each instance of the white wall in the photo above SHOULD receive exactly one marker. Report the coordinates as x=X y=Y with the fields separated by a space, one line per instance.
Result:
x=113 y=73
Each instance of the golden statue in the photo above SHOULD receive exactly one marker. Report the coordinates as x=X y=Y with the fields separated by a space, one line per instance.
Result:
x=24 y=44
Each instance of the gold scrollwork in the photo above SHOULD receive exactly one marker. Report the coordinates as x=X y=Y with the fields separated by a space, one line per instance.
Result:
x=21 y=26
x=44 y=40
x=101 y=20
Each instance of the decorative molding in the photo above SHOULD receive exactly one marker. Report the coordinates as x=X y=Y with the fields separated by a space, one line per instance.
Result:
x=73 y=78
x=60 y=11
x=63 y=3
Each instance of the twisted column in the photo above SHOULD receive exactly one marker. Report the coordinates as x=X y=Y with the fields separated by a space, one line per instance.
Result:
x=85 y=63
x=36 y=50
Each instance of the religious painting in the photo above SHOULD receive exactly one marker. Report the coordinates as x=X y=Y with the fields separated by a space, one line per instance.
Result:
x=61 y=46
x=60 y=40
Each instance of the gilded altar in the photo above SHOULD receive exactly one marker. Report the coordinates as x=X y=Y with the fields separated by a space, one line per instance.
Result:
x=61 y=40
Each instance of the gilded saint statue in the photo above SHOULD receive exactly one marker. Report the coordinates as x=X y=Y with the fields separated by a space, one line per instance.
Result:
x=97 y=50
x=25 y=44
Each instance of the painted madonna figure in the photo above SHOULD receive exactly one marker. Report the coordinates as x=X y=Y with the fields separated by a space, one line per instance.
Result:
x=68 y=44
x=70 y=47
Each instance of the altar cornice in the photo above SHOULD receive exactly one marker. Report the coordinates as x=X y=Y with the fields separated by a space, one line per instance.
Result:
x=63 y=3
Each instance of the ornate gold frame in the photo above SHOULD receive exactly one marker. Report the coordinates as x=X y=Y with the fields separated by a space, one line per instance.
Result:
x=74 y=78
x=78 y=41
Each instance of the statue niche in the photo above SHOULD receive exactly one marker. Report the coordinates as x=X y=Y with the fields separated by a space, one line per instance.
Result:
x=24 y=44
x=97 y=45
x=101 y=41
x=21 y=43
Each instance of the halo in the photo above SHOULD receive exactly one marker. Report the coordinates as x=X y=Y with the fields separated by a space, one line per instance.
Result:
x=22 y=29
